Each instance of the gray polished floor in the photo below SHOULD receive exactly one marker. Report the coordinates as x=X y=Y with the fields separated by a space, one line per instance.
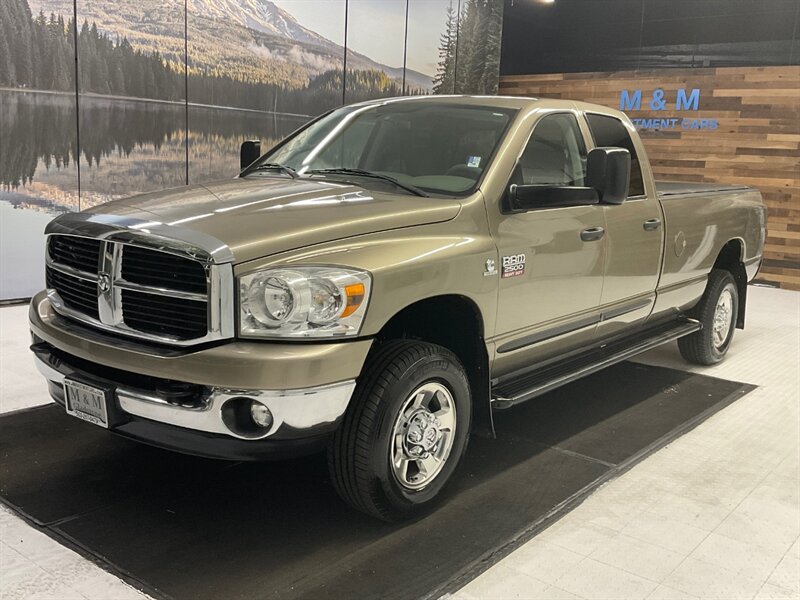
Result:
x=716 y=514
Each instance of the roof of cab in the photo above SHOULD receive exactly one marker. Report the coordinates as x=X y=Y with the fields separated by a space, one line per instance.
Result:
x=513 y=102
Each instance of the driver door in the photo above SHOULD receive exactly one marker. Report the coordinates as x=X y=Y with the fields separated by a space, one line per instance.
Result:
x=551 y=270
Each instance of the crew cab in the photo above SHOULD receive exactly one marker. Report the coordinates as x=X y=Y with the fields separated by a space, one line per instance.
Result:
x=381 y=281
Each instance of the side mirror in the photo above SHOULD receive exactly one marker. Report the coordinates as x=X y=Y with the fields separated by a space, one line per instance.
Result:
x=249 y=152
x=608 y=170
x=532 y=197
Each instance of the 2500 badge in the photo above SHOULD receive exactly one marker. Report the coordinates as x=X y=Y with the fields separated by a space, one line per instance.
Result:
x=513 y=266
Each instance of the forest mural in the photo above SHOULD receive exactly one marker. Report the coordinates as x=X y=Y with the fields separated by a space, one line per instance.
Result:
x=469 y=54
x=164 y=91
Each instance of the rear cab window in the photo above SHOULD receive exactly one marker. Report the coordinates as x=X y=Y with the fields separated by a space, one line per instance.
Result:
x=610 y=131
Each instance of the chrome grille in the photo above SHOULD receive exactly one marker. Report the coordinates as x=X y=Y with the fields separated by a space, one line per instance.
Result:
x=160 y=270
x=78 y=294
x=76 y=252
x=158 y=293
x=163 y=315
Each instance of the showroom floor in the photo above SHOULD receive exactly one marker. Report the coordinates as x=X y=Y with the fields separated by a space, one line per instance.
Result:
x=715 y=514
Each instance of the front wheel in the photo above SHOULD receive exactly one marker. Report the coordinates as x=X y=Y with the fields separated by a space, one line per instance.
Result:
x=717 y=312
x=404 y=432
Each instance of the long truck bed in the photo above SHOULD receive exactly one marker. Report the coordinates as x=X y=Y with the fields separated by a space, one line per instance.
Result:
x=680 y=188
x=697 y=216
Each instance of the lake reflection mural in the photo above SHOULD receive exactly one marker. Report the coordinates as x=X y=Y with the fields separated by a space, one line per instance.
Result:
x=254 y=69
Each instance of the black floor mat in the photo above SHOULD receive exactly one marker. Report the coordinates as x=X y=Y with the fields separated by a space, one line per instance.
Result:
x=186 y=527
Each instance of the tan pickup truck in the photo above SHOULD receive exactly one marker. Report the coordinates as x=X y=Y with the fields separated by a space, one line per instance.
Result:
x=382 y=280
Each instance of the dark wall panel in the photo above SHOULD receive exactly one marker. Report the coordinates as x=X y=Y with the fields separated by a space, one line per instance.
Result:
x=711 y=33
x=568 y=36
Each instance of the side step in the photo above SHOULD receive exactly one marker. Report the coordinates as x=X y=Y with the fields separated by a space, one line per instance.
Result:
x=536 y=382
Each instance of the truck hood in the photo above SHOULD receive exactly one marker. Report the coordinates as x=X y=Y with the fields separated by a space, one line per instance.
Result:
x=257 y=217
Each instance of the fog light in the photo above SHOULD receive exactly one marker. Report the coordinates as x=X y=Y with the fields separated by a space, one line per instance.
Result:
x=260 y=415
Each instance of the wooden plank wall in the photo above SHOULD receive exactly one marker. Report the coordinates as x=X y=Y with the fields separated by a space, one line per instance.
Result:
x=757 y=142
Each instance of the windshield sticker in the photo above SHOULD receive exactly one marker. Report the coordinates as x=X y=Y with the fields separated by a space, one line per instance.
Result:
x=513 y=266
x=474 y=161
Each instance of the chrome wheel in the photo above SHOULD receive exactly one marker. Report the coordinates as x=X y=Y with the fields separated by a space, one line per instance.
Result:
x=723 y=318
x=423 y=435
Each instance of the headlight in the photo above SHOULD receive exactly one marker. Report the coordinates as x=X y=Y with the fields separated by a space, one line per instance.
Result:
x=301 y=302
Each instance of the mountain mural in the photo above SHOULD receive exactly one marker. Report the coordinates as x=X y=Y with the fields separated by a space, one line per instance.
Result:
x=260 y=15
x=254 y=72
x=250 y=40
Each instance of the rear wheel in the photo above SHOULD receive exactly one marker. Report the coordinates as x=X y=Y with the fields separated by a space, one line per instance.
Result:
x=717 y=312
x=405 y=431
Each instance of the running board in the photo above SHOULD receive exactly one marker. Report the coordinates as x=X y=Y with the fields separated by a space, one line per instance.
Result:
x=537 y=382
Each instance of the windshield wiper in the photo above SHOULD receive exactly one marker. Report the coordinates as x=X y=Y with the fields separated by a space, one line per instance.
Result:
x=275 y=167
x=362 y=173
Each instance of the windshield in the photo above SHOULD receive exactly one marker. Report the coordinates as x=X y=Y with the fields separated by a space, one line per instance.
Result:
x=437 y=147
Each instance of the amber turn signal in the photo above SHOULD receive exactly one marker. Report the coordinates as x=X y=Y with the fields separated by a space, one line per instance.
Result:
x=355 y=296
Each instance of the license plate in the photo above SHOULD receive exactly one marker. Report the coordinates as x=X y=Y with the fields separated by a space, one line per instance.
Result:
x=86 y=402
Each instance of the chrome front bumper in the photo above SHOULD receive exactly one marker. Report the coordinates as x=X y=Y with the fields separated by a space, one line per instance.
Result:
x=296 y=413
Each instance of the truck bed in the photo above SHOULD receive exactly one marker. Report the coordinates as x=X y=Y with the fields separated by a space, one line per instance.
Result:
x=679 y=188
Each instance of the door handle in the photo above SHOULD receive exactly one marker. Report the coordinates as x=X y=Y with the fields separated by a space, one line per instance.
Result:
x=592 y=234
x=652 y=224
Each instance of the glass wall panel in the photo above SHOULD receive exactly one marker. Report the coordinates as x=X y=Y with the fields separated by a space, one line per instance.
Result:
x=38 y=173
x=256 y=70
x=431 y=46
x=376 y=32
x=258 y=73
x=132 y=90
x=477 y=52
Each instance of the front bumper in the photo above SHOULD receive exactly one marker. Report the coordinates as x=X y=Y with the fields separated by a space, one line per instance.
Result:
x=303 y=415
x=234 y=364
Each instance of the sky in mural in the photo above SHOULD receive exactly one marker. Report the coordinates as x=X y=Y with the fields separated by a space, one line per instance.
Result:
x=427 y=19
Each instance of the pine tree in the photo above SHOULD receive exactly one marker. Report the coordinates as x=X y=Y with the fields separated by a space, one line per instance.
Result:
x=444 y=80
x=6 y=67
x=494 y=32
x=85 y=53
x=22 y=43
x=478 y=56
x=63 y=80
x=468 y=45
x=476 y=67
x=61 y=54
x=100 y=76
x=117 y=80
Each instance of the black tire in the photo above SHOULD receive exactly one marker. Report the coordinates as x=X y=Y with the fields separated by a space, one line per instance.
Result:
x=704 y=347
x=359 y=454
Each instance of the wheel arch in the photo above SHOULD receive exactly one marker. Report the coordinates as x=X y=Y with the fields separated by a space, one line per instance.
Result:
x=731 y=259
x=456 y=323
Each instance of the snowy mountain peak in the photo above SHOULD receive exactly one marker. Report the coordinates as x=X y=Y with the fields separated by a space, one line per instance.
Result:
x=260 y=15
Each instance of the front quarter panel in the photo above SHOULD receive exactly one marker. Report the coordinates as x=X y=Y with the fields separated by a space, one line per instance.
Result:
x=412 y=264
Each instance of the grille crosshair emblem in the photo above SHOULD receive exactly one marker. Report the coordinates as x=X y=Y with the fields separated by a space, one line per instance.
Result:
x=103 y=282
x=108 y=272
